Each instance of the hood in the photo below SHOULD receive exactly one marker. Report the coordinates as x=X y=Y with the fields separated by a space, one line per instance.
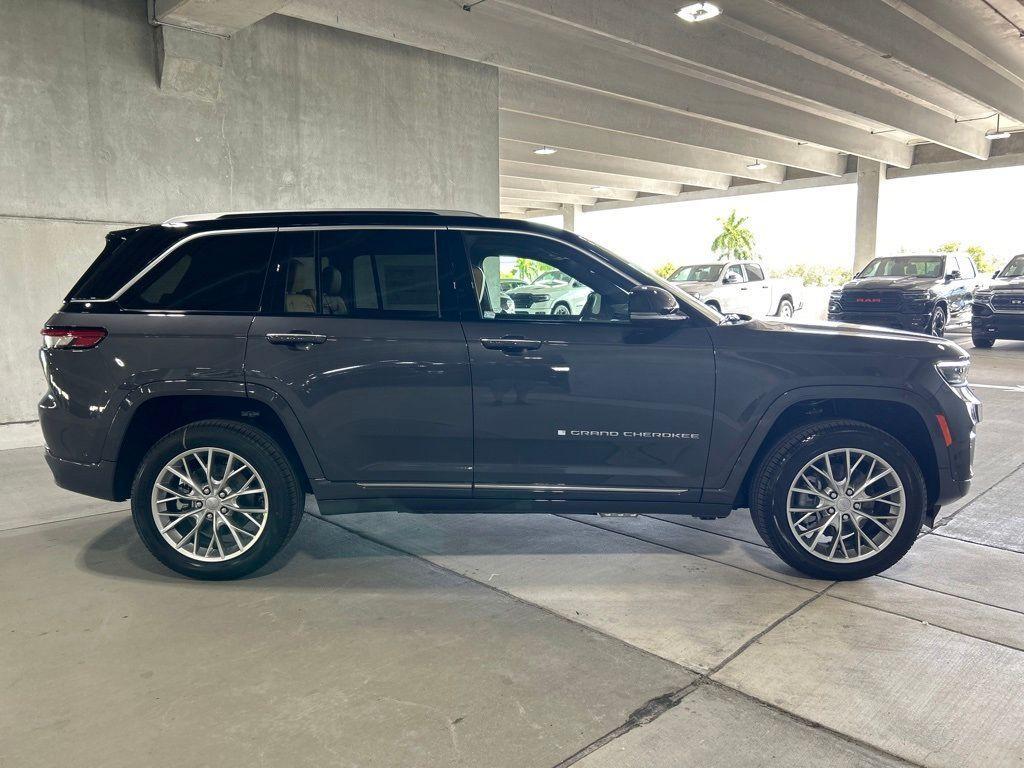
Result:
x=535 y=290
x=901 y=283
x=695 y=286
x=844 y=338
x=1006 y=283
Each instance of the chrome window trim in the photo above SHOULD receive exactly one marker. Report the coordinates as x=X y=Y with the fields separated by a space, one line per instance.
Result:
x=167 y=252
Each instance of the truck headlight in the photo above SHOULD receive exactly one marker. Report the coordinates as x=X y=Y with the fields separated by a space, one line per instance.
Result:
x=954 y=371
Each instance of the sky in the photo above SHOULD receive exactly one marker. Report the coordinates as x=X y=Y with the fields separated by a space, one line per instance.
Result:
x=816 y=226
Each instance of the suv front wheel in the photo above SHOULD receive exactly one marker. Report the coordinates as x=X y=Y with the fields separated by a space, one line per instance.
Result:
x=838 y=499
x=216 y=499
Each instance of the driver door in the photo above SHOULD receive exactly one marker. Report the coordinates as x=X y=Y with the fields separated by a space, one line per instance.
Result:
x=583 y=405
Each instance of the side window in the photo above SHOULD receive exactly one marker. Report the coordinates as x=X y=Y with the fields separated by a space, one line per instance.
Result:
x=736 y=270
x=379 y=273
x=754 y=272
x=292 y=282
x=967 y=270
x=551 y=281
x=214 y=273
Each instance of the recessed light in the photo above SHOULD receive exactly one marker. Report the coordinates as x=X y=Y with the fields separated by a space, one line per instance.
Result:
x=600 y=189
x=698 y=12
x=544 y=151
x=757 y=165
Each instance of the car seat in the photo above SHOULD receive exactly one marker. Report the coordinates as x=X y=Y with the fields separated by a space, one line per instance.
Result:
x=331 y=287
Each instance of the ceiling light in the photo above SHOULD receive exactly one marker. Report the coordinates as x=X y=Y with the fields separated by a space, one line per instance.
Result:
x=544 y=151
x=757 y=165
x=993 y=134
x=600 y=190
x=698 y=12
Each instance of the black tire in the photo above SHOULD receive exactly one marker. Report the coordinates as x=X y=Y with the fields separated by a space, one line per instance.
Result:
x=563 y=306
x=785 y=309
x=770 y=485
x=284 y=494
x=981 y=342
x=937 y=322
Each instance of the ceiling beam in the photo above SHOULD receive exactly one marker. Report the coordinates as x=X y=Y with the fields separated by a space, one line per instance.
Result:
x=541 y=131
x=725 y=48
x=887 y=32
x=601 y=191
x=546 y=98
x=974 y=28
x=547 y=196
x=527 y=204
x=507 y=38
x=512 y=170
x=220 y=17
x=583 y=160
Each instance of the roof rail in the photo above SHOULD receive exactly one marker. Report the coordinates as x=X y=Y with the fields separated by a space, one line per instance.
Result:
x=224 y=214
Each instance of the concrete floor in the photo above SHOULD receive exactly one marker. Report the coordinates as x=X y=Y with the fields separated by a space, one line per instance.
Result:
x=455 y=640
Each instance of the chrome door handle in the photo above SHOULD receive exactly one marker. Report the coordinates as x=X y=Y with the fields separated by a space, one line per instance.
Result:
x=296 y=338
x=510 y=344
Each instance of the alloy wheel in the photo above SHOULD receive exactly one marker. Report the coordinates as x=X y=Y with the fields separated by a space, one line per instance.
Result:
x=210 y=504
x=846 y=505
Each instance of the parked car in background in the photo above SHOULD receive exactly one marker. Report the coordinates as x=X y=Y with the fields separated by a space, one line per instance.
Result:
x=740 y=287
x=927 y=293
x=550 y=293
x=998 y=311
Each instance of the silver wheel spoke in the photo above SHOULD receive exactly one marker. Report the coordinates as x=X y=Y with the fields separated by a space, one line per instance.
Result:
x=207 y=540
x=838 y=530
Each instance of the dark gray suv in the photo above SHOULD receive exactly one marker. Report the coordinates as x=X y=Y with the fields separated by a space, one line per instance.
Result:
x=216 y=369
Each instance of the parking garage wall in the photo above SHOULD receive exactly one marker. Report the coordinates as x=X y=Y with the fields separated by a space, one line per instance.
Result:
x=283 y=114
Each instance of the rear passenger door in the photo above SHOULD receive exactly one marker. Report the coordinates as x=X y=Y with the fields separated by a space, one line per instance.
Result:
x=759 y=293
x=357 y=335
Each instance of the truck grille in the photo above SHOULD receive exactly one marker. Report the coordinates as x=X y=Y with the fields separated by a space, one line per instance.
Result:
x=1008 y=302
x=523 y=300
x=870 y=301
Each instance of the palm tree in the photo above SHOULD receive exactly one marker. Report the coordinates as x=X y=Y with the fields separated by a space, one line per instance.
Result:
x=735 y=241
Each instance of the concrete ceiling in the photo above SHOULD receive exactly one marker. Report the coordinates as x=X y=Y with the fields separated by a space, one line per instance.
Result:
x=643 y=107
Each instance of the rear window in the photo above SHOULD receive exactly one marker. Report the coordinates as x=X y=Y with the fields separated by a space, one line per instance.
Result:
x=125 y=253
x=215 y=273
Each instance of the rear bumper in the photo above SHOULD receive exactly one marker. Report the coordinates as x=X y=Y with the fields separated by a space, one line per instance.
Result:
x=998 y=325
x=916 y=321
x=89 y=479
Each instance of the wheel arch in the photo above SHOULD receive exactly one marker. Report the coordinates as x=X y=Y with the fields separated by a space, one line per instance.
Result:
x=902 y=415
x=149 y=415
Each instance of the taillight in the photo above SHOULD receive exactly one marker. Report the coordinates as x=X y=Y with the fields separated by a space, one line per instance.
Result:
x=72 y=338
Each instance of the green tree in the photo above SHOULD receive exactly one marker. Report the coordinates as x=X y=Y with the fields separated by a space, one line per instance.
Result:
x=735 y=241
x=666 y=269
x=976 y=252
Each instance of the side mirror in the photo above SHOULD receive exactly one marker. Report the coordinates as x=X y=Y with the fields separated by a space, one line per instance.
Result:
x=995 y=274
x=731 y=277
x=954 y=275
x=651 y=303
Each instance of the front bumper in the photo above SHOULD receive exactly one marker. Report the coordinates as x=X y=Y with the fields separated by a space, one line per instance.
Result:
x=95 y=480
x=901 y=321
x=997 y=325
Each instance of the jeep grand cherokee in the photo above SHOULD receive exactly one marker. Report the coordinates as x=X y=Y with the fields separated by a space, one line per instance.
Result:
x=216 y=369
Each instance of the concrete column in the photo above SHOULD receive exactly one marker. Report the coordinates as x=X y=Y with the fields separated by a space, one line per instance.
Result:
x=189 y=63
x=570 y=215
x=869 y=183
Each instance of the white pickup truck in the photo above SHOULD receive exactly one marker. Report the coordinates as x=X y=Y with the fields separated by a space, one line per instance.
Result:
x=740 y=287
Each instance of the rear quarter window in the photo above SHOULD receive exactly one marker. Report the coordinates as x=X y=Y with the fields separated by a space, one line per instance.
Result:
x=125 y=253
x=212 y=273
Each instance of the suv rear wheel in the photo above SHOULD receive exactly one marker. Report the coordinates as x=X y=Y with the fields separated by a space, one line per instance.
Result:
x=216 y=499
x=838 y=499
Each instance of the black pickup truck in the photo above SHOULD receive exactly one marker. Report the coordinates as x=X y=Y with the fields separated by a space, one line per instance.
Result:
x=925 y=293
x=999 y=309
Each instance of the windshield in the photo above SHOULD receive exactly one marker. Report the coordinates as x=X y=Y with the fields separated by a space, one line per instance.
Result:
x=554 y=277
x=697 y=273
x=1015 y=268
x=906 y=266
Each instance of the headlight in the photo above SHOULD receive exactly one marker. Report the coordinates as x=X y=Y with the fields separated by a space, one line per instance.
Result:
x=954 y=371
x=539 y=297
x=983 y=296
x=915 y=298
